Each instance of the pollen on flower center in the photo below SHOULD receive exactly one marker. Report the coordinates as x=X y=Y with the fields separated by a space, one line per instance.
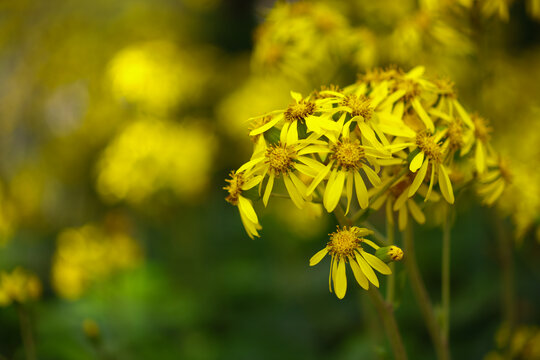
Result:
x=455 y=135
x=299 y=111
x=429 y=147
x=235 y=187
x=360 y=106
x=482 y=129
x=348 y=154
x=411 y=87
x=279 y=158
x=343 y=242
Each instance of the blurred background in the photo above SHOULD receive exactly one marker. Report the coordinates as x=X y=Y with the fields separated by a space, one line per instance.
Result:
x=120 y=120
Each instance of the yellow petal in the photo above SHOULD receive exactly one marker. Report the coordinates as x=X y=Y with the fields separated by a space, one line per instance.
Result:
x=369 y=134
x=333 y=192
x=265 y=127
x=371 y=243
x=340 y=281
x=295 y=195
x=417 y=214
x=245 y=207
x=445 y=185
x=296 y=96
x=367 y=270
x=315 y=259
x=419 y=178
x=268 y=189
x=361 y=191
x=466 y=118
x=317 y=180
x=284 y=132
x=417 y=162
x=358 y=274
x=431 y=180
x=292 y=135
x=349 y=189
x=480 y=157
x=376 y=263
x=250 y=164
x=372 y=175
x=423 y=115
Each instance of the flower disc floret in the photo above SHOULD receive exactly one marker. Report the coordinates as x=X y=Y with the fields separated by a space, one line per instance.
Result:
x=348 y=155
x=429 y=147
x=280 y=158
x=343 y=242
x=455 y=135
x=481 y=128
x=299 y=110
x=360 y=106
x=234 y=188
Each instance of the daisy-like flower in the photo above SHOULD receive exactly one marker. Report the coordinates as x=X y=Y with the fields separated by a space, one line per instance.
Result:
x=283 y=160
x=345 y=246
x=492 y=183
x=237 y=183
x=397 y=200
x=430 y=153
x=347 y=157
x=302 y=111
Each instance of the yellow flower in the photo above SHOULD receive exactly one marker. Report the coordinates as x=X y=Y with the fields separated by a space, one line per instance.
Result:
x=18 y=286
x=397 y=199
x=345 y=246
x=283 y=160
x=237 y=183
x=301 y=112
x=430 y=153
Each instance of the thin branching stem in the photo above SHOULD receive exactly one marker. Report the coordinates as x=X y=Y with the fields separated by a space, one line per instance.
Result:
x=422 y=297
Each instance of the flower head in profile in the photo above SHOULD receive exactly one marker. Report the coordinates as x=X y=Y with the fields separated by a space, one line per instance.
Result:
x=238 y=183
x=346 y=246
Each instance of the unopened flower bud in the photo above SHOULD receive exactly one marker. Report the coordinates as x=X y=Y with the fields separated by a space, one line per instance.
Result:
x=389 y=253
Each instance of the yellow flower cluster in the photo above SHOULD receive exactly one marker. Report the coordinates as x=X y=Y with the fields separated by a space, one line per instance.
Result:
x=521 y=343
x=19 y=286
x=88 y=254
x=156 y=155
x=387 y=138
x=299 y=39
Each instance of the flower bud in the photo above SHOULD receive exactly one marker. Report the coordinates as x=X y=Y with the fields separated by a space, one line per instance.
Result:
x=389 y=253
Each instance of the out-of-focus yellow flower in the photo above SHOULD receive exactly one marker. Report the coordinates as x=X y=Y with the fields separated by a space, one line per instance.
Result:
x=18 y=286
x=308 y=42
x=523 y=343
x=158 y=76
x=345 y=246
x=304 y=223
x=153 y=155
x=89 y=254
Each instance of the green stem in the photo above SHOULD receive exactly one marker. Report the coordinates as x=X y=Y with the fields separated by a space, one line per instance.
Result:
x=422 y=297
x=384 y=309
x=391 y=287
x=386 y=313
x=26 y=332
x=445 y=290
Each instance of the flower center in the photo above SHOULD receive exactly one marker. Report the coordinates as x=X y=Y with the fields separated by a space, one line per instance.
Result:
x=455 y=135
x=482 y=129
x=343 y=242
x=279 y=158
x=411 y=87
x=348 y=154
x=234 y=188
x=360 y=106
x=299 y=111
x=429 y=147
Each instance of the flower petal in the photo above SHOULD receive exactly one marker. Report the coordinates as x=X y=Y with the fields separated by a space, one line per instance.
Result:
x=445 y=185
x=419 y=178
x=367 y=270
x=376 y=263
x=361 y=191
x=358 y=274
x=417 y=162
x=333 y=192
x=268 y=189
x=340 y=281
x=315 y=259
x=245 y=207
